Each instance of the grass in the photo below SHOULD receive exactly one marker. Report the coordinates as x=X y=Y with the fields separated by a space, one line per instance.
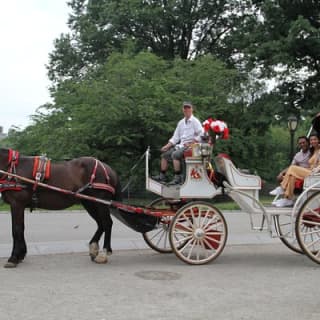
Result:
x=231 y=205
x=4 y=206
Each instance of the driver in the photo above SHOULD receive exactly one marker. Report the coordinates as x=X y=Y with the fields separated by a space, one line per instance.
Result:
x=188 y=131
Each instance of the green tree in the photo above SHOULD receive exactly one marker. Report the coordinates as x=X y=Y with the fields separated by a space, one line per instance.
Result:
x=284 y=44
x=121 y=73
x=168 y=28
x=129 y=103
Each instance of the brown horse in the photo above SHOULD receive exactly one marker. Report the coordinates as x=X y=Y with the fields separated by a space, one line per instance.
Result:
x=84 y=176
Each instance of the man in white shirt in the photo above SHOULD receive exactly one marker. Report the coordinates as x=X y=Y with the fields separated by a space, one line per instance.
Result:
x=301 y=158
x=188 y=131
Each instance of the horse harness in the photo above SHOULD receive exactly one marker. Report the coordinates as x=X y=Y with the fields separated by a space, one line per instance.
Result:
x=7 y=182
x=98 y=185
x=42 y=171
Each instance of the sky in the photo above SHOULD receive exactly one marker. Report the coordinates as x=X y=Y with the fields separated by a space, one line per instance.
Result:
x=28 y=29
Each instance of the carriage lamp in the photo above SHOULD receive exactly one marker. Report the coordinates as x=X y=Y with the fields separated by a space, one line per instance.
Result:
x=292 y=125
x=205 y=149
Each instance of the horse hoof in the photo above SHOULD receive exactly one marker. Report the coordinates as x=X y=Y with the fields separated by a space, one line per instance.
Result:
x=10 y=265
x=93 y=250
x=109 y=253
x=101 y=258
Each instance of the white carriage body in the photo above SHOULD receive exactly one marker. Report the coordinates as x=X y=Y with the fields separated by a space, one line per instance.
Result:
x=312 y=181
x=197 y=183
x=247 y=184
x=244 y=189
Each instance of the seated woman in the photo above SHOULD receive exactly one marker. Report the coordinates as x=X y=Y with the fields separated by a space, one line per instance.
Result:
x=295 y=172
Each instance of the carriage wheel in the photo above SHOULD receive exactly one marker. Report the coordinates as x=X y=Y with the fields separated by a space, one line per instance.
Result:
x=284 y=226
x=158 y=238
x=198 y=233
x=308 y=227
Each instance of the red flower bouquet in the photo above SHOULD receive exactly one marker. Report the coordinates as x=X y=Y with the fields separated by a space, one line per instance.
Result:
x=216 y=128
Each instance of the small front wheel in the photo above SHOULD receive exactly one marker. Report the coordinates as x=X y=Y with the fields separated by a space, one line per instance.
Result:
x=198 y=233
x=158 y=238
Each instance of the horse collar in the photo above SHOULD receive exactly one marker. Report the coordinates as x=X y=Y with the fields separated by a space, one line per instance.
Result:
x=7 y=182
x=13 y=157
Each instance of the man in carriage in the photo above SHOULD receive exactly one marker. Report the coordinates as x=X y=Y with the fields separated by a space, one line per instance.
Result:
x=297 y=172
x=188 y=131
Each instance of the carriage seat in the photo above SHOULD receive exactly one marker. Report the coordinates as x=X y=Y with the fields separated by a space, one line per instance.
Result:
x=311 y=180
x=236 y=178
x=298 y=186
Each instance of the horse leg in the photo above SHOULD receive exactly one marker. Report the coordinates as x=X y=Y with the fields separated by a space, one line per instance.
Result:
x=94 y=242
x=19 y=249
x=106 y=222
x=100 y=213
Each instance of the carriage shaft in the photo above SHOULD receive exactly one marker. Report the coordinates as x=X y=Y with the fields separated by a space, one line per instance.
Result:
x=65 y=191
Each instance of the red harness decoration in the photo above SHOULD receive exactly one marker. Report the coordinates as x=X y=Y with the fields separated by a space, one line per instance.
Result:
x=42 y=168
x=99 y=185
x=13 y=160
x=7 y=183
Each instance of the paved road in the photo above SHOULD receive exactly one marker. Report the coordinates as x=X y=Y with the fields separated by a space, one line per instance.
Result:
x=66 y=232
x=254 y=278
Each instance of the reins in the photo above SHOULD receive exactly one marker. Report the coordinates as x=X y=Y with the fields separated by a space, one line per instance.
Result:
x=133 y=168
x=61 y=190
x=8 y=181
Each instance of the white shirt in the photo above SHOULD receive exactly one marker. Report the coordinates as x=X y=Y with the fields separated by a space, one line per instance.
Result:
x=187 y=131
x=302 y=159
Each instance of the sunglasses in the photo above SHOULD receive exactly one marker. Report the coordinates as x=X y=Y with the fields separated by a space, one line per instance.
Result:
x=187 y=107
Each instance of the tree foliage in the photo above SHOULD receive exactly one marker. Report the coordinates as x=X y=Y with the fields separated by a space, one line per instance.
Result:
x=121 y=73
x=131 y=102
x=284 y=44
x=168 y=28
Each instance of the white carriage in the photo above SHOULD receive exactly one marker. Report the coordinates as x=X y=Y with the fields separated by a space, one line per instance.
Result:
x=185 y=221
x=196 y=231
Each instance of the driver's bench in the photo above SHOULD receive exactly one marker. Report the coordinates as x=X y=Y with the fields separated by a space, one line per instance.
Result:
x=196 y=184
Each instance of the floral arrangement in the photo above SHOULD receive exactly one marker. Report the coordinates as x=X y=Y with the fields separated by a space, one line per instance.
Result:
x=217 y=128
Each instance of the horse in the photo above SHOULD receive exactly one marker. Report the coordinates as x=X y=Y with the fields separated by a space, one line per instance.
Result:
x=80 y=176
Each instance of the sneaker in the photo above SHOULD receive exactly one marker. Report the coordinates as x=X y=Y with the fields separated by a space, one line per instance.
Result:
x=275 y=201
x=160 y=178
x=284 y=203
x=277 y=191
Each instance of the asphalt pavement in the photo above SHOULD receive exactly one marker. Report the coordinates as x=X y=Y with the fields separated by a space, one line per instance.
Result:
x=70 y=231
x=255 y=277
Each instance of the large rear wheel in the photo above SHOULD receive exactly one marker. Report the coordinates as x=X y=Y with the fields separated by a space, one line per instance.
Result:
x=308 y=227
x=283 y=224
x=198 y=233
